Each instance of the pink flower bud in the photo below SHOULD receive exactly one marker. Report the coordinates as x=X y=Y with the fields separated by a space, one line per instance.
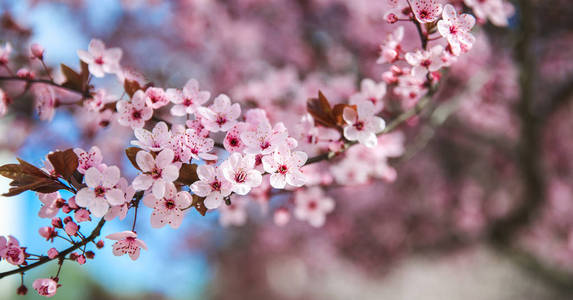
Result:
x=57 y=223
x=66 y=209
x=99 y=244
x=67 y=219
x=81 y=259
x=25 y=73
x=82 y=215
x=90 y=254
x=36 y=51
x=72 y=203
x=71 y=228
x=47 y=232
x=391 y=18
x=53 y=253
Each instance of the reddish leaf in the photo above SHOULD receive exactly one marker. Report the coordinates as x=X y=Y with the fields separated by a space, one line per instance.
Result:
x=321 y=111
x=187 y=174
x=28 y=177
x=64 y=162
x=337 y=113
x=73 y=79
x=29 y=169
x=131 y=153
x=131 y=86
x=11 y=171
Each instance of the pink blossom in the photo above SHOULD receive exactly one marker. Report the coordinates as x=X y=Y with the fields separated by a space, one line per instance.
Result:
x=52 y=202
x=391 y=48
x=134 y=113
x=264 y=139
x=312 y=205
x=221 y=115
x=314 y=138
x=4 y=102
x=361 y=124
x=152 y=141
x=284 y=167
x=188 y=100
x=212 y=185
x=234 y=214
x=240 y=171
x=429 y=60
x=497 y=11
x=99 y=59
x=86 y=160
x=36 y=51
x=156 y=171
x=233 y=142
x=100 y=192
x=281 y=216
x=45 y=287
x=371 y=91
x=53 y=253
x=127 y=243
x=157 y=97
x=82 y=215
x=71 y=228
x=121 y=210
x=25 y=73
x=170 y=208
x=47 y=232
x=11 y=250
x=426 y=11
x=5 y=52
x=199 y=145
x=456 y=29
x=98 y=101
x=45 y=101
x=81 y=259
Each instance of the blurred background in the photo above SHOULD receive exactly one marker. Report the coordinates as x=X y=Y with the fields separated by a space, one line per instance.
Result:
x=481 y=208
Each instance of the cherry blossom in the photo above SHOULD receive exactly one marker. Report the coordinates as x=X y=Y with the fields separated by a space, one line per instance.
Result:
x=240 y=171
x=198 y=145
x=426 y=11
x=264 y=139
x=361 y=124
x=212 y=185
x=121 y=209
x=313 y=138
x=284 y=167
x=497 y=11
x=127 y=243
x=221 y=115
x=156 y=171
x=157 y=97
x=5 y=52
x=11 y=251
x=170 y=208
x=4 y=102
x=156 y=140
x=234 y=214
x=430 y=60
x=45 y=101
x=51 y=204
x=312 y=205
x=99 y=59
x=86 y=160
x=233 y=141
x=188 y=100
x=134 y=113
x=36 y=51
x=456 y=29
x=371 y=91
x=100 y=192
x=391 y=48
x=46 y=287
x=98 y=101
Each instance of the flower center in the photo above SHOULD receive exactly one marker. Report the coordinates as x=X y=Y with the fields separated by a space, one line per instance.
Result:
x=99 y=60
x=312 y=205
x=216 y=186
x=187 y=101
x=359 y=125
x=283 y=169
x=453 y=29
x=99 y=191
x=156 y=173
x=136 y=115
x=233 y=142
x=221 y=120
x=424 y=14
x=170 y=204
x=426 y=63
x=240 y=177
x=265 y=145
